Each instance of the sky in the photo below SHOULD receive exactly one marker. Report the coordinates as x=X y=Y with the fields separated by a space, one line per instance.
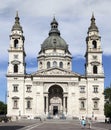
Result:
x=73 y=17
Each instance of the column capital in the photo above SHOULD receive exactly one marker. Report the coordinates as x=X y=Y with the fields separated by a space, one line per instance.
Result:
x=65 y=94
x=46 y=94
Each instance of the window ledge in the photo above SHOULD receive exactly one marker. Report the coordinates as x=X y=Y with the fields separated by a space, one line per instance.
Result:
x=83 y=109
x=28 y=108
x=95 y=108
x=28 y=91
x=82 y=92
x=15 y=108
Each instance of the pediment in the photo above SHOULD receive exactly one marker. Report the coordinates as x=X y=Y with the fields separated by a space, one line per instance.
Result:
x=15 y=62
x=55 y=71
x=95 y=63
x=15 y=97
x=28 y=98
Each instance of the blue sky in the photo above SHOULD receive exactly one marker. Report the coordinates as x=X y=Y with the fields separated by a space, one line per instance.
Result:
x=73 y=17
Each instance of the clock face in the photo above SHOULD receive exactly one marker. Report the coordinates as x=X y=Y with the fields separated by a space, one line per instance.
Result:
x=20 y=33
x=16 y=32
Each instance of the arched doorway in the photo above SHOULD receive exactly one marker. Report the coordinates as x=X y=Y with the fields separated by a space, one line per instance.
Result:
x=55 y=100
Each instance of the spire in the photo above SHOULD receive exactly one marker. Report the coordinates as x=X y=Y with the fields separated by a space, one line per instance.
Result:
x=16 y=25
x=54 y=28
x=93 y=26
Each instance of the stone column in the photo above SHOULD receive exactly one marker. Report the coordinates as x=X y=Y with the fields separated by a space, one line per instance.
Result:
x=64 y=105
x=47 y=105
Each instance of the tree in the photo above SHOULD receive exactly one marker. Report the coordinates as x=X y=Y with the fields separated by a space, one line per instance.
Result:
x=107 y=93
x=107 y=106
x=3 y=108
x=107 y=109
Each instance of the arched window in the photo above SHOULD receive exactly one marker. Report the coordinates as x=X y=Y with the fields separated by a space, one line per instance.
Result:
x=82 y=104
x=94 y=69
x=15 y=104
x=40 y=64
x=54 y=64
x=15 y=43
x=94 y=43
x=15 y=68
x=48 y=64
x=28 y=104
x=61 y=64
x=95 y=104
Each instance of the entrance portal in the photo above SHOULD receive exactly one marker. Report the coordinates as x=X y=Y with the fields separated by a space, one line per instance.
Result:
x=55 y=110
x=55 y=100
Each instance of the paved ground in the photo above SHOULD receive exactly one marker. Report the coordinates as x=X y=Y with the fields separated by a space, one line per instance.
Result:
x=17 y=124
x=50 y=125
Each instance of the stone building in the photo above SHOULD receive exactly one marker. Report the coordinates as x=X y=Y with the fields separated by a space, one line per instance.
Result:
x=54 y=89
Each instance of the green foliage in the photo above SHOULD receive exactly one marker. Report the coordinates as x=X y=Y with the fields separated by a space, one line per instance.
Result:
x=107 y=110
x=3 y=108
x=107 y=93
x=107 y=106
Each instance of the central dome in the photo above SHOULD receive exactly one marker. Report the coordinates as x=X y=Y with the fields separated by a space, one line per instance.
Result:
x=54 y=41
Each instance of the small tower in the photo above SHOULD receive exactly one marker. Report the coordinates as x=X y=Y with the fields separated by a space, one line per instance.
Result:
x=16 y=49
x=94 y=52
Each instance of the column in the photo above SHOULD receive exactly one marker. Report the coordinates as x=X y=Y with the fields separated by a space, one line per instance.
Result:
x=64 y=105
x=47 y=105
x=65 y=96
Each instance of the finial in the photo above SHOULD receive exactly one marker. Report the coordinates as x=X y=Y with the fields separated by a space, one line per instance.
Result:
x=54 y=20
x=93 y=26
x=92 y=14
x=53 y=16
x=93 y=18
x=17 y=13
x=16 y=25
x=17 y=17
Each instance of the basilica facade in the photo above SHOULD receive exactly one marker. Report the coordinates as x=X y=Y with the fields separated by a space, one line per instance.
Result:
x=54 y=89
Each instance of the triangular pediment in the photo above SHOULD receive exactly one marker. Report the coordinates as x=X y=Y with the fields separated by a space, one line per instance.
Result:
x=55 y=71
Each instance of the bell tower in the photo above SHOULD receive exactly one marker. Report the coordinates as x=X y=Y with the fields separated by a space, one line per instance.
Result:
x=94 y=52
x=16 y=50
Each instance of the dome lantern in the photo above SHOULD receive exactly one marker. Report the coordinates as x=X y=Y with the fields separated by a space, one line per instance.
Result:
x=54 y=28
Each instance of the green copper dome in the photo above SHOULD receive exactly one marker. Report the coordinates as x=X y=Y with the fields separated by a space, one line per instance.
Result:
x=54 y=41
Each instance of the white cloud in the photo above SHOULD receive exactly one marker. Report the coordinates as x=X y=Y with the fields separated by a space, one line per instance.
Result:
x=73 y=17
